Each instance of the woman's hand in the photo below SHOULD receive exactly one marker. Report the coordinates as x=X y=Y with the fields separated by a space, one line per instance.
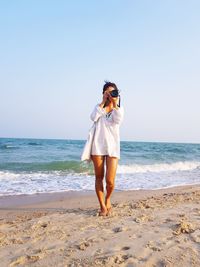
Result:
x=106 y=95
x=115 y=101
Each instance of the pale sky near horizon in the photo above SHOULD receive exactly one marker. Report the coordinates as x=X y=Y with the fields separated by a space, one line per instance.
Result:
x=55 y=56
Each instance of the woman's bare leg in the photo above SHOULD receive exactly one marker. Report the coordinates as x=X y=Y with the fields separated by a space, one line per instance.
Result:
x=98 y=162
x=111 y=168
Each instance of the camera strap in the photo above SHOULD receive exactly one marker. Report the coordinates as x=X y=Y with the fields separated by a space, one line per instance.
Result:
x=119 y=101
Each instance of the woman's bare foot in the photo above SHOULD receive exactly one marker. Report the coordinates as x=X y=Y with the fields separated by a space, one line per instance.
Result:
x=108 y=206
x=109 y=211
x=103 y=211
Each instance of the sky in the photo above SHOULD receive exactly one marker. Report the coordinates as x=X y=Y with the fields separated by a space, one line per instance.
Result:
x=56 y=55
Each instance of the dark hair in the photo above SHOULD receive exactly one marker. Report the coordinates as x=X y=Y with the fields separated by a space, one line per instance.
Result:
x=109 y=84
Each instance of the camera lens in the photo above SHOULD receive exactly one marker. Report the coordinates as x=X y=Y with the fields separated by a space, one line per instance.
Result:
x=114 y=93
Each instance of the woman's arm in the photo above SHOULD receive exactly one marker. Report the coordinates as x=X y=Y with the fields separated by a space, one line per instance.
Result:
x=118 y=115
x=98 y=110
x=97 y=113
x=118 y=112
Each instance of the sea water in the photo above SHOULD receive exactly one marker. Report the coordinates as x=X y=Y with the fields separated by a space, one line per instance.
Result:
x=29 y=166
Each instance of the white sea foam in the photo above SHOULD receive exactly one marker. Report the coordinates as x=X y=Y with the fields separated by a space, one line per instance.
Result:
x=163 y=167
x=38 y=182
x=129 y=177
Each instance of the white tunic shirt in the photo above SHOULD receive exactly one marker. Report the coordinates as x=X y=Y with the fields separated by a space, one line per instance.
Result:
x=107 y=138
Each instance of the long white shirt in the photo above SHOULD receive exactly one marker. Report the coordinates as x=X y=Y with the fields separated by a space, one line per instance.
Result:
x=106 y=138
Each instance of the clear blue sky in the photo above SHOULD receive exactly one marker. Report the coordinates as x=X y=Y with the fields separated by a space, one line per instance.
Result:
x=55 y=56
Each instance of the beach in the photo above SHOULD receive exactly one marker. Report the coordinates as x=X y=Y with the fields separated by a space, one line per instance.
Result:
x=118 y=80
x=146 y=228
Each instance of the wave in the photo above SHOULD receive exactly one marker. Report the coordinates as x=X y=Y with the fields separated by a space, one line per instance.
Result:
x=66 y=166
x=48 y=177
x=22 y=177
x=8 y=147
x=83 y=168
x=176 y=150
x=176 y=166
x=34 y=144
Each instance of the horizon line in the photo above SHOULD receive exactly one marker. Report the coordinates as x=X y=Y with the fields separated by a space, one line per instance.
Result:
x=135 y=141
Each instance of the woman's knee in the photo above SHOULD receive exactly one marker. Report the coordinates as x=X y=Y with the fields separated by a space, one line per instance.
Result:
x=99 y=183
x=99 y=179
x=110 y=183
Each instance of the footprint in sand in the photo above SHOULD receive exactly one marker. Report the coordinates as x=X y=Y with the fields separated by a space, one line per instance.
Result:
x=119 y=229
x=125 y=248
x=153 y=246
x=182 y=215
x=119 y=259
x=112 y=260
x=83 y=245
x=143 y=218
x=99 y=251
x=139 y=236
x=39 y=224
x=168 y=221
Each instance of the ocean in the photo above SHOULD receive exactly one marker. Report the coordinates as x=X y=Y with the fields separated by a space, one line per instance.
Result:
x=29 y=166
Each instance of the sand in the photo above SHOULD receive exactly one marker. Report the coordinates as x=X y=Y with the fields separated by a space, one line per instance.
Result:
x=146 y=228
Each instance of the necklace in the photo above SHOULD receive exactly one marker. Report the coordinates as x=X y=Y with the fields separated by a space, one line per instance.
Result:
x=108 y=114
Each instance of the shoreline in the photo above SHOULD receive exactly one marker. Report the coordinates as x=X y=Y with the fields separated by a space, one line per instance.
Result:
x=146 y=228
x=74 y=197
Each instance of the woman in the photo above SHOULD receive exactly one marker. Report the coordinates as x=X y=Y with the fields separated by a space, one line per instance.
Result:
x=105 y=148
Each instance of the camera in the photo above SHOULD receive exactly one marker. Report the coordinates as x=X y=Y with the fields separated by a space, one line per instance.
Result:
x=114 y=93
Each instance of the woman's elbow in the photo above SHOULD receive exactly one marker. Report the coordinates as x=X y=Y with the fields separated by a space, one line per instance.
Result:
x=92 y=117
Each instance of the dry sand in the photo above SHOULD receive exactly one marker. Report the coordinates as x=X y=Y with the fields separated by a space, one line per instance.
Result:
x=147 y=228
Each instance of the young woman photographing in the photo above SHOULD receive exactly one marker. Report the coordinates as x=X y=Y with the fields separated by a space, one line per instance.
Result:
x=105 y=145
